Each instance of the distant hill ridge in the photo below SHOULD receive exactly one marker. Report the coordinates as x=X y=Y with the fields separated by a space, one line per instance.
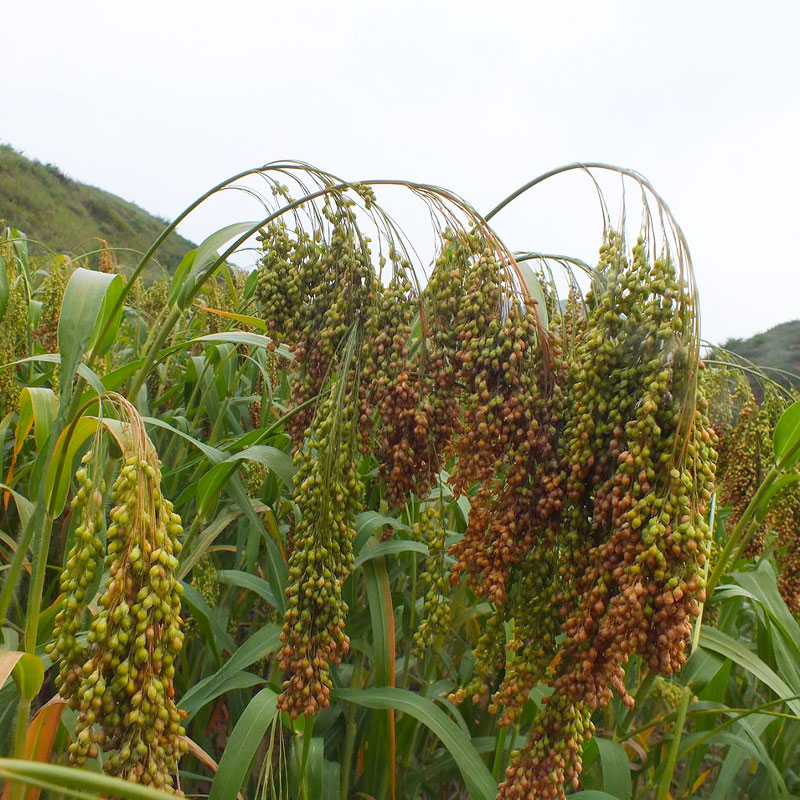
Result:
x=779 y=348
x=46 y=205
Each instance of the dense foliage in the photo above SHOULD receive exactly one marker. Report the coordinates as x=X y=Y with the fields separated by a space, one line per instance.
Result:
x=448 y=533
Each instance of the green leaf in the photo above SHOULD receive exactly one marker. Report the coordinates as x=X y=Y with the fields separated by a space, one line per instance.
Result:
x=229 y=683
x=75 y=782
x=212 y=483
x=205 y=257
x=592 y=794
x=243 y=319
x=34 y=313
x=24 y=506
x=787 y=436
x=28 y=674
x=379 y=601
x=37 y=409
x=214 y=455
x=534 y=287
x=380 y=750
x=81 y=315
x=179 y=278
x=315 y=767
x=719 y=642
x=244 y=580
x=616 y=768
x=216 y=634
x=763 y=584
x=59 y=468
x=479 y=781
x=753 y=744
x=243 y=744
x=108 y=319
x=205 y=539
x=726 y=783
x=781 y=482
x=260 y=644
x=248 y=338
x=367 y=522
x=390 y=548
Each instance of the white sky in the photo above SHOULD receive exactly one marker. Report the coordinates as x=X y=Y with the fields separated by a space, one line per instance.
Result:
x=158 y=101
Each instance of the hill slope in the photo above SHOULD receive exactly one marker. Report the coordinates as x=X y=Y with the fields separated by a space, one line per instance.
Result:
x=779 y=347
x=46 y=205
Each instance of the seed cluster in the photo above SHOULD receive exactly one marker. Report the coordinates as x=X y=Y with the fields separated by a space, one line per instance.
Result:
x=623 y=548
x=311 y=290
x=404 y=451
x=154 y=300
x=746 y=458
x=205 y=582
x=78 y=575
x=51 y=294
x=219 y=300
x=327 y=493
x=784 y=519
x=430 y=530
x=255 y=475
x=107 y=262
x=586 y=451
x=123 y=692
x=667 y=693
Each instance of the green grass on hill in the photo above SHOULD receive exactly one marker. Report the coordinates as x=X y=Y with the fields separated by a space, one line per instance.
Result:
x=778 y=348
x=65 y=215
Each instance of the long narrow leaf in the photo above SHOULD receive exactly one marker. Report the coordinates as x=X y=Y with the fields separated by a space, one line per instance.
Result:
x=479 y=781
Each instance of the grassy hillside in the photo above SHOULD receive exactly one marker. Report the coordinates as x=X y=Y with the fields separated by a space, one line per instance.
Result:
x=66 y=215
x=779 y=347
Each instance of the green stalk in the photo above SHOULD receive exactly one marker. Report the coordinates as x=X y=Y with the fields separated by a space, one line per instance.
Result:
x=37 y=586
x=350 y=732
x=308 y=734
x=674 y=747
x=15 y=568
x=499 y=747
x=641 y=693
x=686 y=698
x=680 y=721
x=195 y=527
x=226 y=401
x=151 y=349
x=35 y=592
x=20 y=730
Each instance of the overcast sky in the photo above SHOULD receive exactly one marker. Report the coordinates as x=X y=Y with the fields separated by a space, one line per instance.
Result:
x=157 y=101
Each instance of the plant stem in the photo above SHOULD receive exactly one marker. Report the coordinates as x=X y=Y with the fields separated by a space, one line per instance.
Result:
x=350 y=733
x=23 y=709
x=672 y=756
x=152 y=348
x=641 y=692
x=499 y=747
x=31 y=630
x=37 y=585
x=23 y=712
x=308 y=734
